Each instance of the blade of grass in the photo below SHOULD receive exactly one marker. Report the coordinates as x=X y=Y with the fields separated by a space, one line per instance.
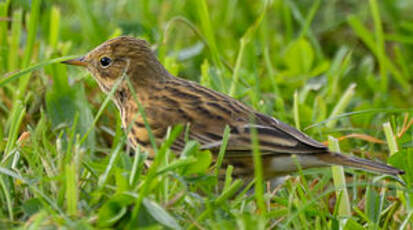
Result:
x=401 y=60
x=258 y=172
x=407 y=220
x=368 y=40
x=306 y=26
x=228 y=177
x=391 y=139
x=299 y=17
x=174 y=21
x=113 y=157
x=288 y=22
x=221 y=153
x=228 y=193
x=9 y=204
x=177 y=164
x=339 y=65
x=16 y=28
x=296 y=111
x=344 y=205
x=372 y=209
x=235 y=75
x=71 y=135
x=13 y=76
x=361 y=112
x=14 y=126
x=136 y=161
x=71 y=189
x=4 y=47
x=28 y=51
x=245 y=39
x=378 y=29
x=31 y=32
x=341 y=105
x=54 y=26
x=207 y=30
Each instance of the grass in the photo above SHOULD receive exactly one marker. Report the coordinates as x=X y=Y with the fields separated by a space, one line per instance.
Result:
x=339 y=70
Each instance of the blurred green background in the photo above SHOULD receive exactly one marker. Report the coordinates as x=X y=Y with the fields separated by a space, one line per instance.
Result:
x=330 y=68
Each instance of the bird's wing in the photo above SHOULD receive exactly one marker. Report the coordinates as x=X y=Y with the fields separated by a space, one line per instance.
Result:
x=274 y=138
x=208 y=112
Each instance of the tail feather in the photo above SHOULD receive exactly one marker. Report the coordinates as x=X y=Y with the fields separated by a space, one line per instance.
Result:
x=356 y=162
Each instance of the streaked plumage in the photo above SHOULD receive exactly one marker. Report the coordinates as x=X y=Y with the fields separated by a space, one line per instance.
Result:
x=168 y=101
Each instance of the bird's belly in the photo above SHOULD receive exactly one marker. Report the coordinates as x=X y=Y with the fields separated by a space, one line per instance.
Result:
x=283 y=165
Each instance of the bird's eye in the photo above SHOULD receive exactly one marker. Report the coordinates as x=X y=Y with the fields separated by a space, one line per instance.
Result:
x=105 y=61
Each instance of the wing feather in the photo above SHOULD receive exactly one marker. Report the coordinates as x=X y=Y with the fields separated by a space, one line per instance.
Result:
x=272 y=141
x=208 y=112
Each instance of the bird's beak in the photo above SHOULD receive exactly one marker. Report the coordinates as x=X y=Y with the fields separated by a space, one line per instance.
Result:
x=77 y=61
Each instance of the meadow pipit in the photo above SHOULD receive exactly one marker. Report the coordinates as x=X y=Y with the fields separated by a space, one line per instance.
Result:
x=168 y=101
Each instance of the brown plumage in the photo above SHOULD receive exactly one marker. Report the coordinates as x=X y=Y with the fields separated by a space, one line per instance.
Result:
x=168 y=101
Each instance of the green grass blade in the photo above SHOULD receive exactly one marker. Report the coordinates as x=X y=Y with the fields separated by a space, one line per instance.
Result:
x=16 y=119
x=71 y=189
x=4 y=47
x=296 y=111
x=113 y=157
x=16 y=29
x=16 y=75
x=9 y=203
x=28 y=51
x=222 y=149
x=391 y=139
x=341 y=105
x=54 y=27
x=368 y=40
x=379 y=43
x=207 y=30
x=258 y=172
x=344 y=208
x=235 y=75
x=245 y=39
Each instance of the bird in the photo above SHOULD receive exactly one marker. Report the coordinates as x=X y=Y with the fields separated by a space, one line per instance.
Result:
x=167 y=101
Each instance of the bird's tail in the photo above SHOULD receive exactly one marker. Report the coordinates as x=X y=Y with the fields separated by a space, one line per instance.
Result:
x=356 y=162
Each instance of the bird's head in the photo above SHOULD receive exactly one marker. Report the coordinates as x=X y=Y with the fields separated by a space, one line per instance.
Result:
x=119 y=57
